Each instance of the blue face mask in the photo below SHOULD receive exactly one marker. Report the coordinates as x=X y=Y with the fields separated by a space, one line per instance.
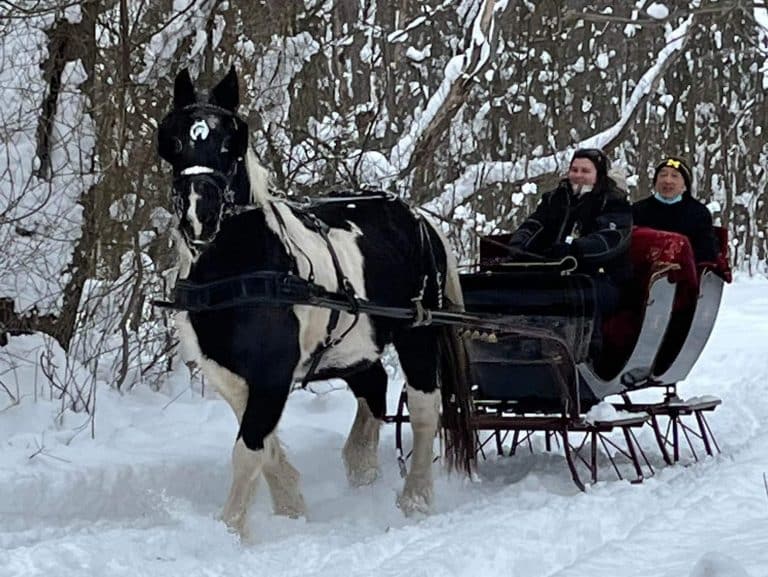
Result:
x=672 y=200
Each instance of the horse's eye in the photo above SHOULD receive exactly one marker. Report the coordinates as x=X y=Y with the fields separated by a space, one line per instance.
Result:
x=177 y=145
x=225 y=144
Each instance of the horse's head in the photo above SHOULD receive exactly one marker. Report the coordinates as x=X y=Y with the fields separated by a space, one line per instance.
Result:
x=205 y=142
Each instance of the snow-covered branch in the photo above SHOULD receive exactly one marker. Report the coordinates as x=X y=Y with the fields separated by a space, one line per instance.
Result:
x=484 y=174
x=452 y=93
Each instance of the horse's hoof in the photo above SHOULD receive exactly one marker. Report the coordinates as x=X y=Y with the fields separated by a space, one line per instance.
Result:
x=362 y=466
x=362 y=477
x=237 y=527
x=414 y=504
x=291 y=511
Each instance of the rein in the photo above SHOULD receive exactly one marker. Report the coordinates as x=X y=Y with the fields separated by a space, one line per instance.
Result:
x=274 y=288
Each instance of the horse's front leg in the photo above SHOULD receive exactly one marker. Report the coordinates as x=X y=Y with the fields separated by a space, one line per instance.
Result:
x=247 y=465
x=424 y=411
x=361 y=451
x=247 y=460
x=258 y=451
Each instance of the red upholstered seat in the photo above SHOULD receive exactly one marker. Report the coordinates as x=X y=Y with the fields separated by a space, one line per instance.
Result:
x=654 y=251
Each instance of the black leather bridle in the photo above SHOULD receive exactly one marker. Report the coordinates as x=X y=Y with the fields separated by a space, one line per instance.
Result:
x=219 y=180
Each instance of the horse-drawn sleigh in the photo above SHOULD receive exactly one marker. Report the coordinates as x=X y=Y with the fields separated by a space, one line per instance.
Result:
x=549 y=384
x=274 y=292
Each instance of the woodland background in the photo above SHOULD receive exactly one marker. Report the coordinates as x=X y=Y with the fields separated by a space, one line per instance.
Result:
x=470 y=109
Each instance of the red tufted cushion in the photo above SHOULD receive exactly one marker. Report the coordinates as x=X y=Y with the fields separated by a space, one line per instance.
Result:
x=653 y=250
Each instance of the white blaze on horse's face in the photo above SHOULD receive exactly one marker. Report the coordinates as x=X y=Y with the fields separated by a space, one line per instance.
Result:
x=199 y=205
x=197 y=226
x=199 y=130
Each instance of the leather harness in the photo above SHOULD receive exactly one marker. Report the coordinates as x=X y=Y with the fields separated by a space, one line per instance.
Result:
x=280 y=288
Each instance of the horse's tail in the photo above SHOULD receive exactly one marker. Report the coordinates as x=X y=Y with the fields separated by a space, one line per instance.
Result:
x=455 y=386
x=455 y=380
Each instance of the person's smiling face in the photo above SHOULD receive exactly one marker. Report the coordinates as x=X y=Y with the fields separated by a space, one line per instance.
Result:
x=582 y=172
x=670 y=182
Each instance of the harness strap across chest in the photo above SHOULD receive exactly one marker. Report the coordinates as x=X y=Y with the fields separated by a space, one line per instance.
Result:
x=345 y=288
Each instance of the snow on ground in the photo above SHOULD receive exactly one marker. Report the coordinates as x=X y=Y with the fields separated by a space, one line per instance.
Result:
x=142 y=498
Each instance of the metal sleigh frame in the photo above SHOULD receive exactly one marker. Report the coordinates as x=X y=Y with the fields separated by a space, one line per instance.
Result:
x=581 y=440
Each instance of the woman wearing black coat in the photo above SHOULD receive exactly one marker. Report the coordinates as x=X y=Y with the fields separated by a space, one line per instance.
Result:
x=672 y=208
x=588 y=217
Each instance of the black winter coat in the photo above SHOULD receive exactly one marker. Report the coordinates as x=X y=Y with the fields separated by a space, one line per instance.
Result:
x=689 y=217
x=598 y=225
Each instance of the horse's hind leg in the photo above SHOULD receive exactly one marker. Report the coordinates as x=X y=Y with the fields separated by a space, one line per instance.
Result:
x=417 y=350
x=283 y=481
x=361 y=451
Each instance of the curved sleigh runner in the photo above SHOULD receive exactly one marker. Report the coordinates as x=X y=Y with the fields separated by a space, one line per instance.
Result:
x=527 y=377
x=638 y=369
x=674 y=420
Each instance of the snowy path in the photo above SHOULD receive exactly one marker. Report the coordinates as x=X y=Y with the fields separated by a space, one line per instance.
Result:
x=142 y=498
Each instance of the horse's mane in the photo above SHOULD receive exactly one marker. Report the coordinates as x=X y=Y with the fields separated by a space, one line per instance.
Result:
x=258 y=176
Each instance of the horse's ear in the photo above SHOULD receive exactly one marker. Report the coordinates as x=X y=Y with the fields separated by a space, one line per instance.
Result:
x=183 y=90
x=227 y=92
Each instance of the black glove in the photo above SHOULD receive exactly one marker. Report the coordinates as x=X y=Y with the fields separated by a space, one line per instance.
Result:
x=514 y=253
x=560 y=250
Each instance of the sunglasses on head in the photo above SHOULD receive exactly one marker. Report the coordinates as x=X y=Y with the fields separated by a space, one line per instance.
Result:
x=596 y=155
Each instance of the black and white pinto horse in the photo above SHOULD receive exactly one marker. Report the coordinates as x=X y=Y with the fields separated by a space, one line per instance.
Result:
x=375 y=249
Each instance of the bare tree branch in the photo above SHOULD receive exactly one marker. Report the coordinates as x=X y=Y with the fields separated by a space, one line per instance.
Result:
x=461 y=70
